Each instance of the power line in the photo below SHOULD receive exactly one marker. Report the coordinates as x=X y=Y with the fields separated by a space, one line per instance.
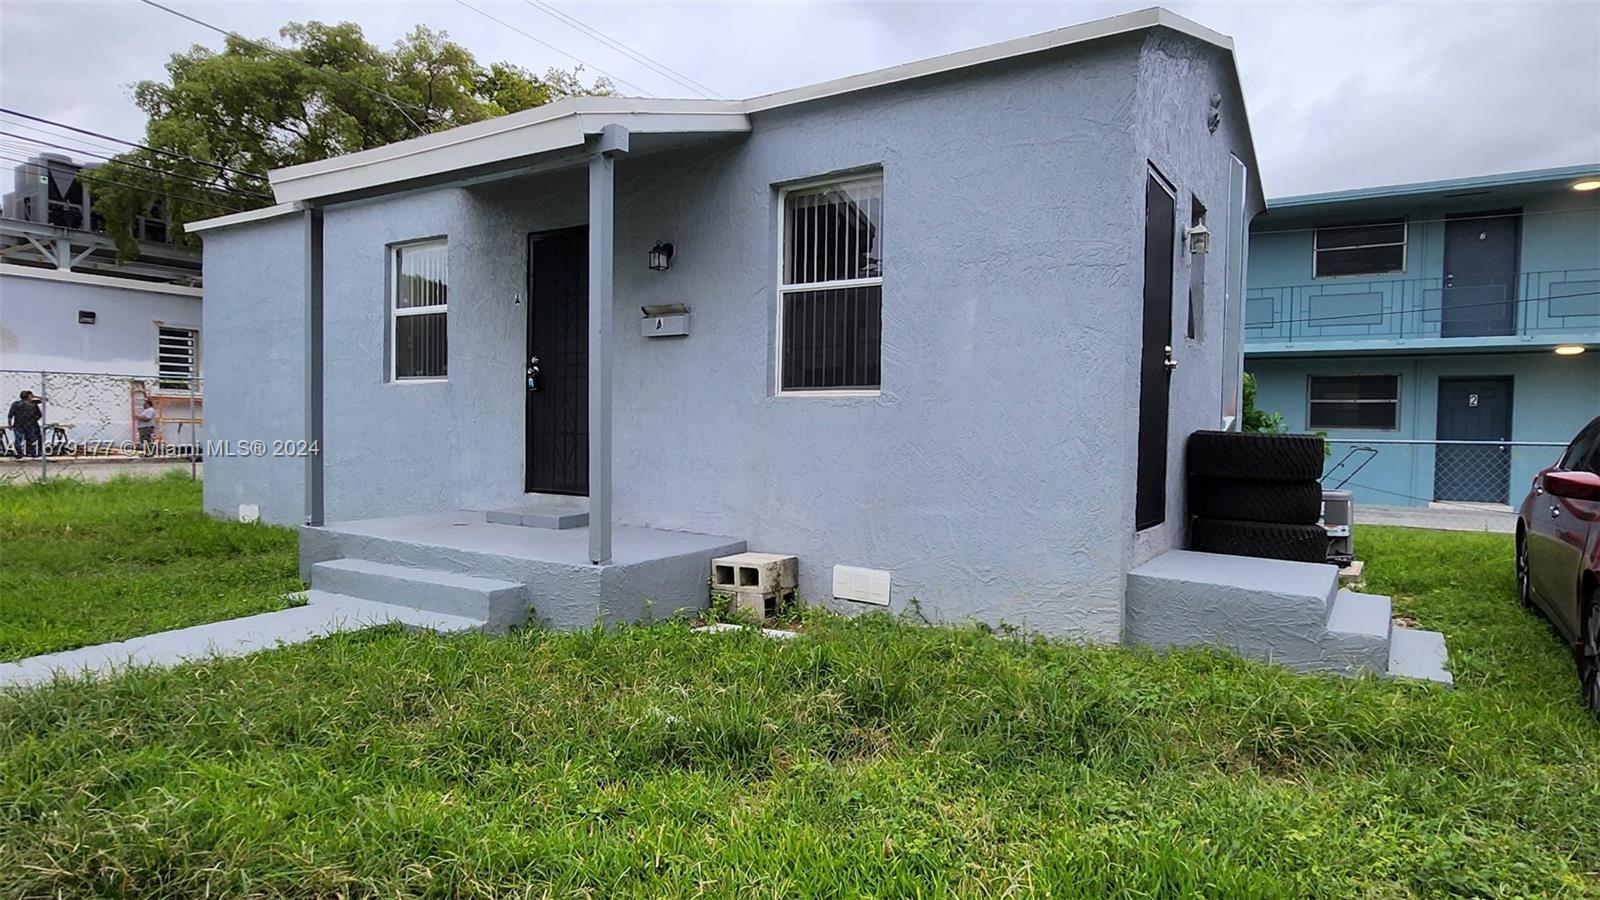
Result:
x=639 y=56
x=398 y=104
x=117 y=140
x=546 y=44
x=48 y=133
x=138 y=187
x=126 y=162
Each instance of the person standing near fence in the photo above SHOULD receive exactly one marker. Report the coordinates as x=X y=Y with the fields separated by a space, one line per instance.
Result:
x=23 y=418
x=147 y=426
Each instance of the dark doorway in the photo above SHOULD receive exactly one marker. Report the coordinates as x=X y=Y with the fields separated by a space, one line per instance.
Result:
x=1155 y=360
x=558 y=362
x=1480 y=274
x=1473 y=409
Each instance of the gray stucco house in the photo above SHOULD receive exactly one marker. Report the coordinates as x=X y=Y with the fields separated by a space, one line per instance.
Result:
x=949 y=322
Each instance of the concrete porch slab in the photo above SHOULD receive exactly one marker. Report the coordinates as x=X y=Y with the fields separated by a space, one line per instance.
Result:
x=652 y=574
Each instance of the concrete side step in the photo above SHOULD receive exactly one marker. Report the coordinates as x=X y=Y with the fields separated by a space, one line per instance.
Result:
x=1357 y=635
x=1414 y=653
x=493 y=603
x=347 y=613
x=559 y=513
x=1264 y=609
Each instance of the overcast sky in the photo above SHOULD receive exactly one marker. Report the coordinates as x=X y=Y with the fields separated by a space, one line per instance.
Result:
x=1340 y=95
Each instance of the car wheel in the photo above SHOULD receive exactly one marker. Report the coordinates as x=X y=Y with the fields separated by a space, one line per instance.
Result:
x=1589 y=662
x=1524 y=584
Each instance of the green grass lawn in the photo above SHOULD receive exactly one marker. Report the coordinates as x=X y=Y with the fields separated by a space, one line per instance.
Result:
x=86 y=563
x=869 y=758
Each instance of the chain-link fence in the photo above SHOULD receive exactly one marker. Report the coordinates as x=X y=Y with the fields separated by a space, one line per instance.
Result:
x=101 y=416
x=1397 y=472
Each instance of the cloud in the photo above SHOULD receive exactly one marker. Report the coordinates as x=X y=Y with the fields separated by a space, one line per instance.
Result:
x=1340 y=95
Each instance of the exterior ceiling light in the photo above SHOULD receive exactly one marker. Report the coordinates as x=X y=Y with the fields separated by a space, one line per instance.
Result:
x=1588 y=184
x=1570 y=349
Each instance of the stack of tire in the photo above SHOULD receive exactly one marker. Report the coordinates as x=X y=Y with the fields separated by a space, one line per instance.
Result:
x=1256 y=495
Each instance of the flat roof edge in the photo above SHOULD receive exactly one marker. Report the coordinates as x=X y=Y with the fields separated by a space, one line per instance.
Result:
x=1379 y=192
x=243 y=218
x=107 y=281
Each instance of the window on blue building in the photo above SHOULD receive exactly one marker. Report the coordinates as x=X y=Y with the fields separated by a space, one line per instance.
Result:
x=1371 y=248
x=1341 y=402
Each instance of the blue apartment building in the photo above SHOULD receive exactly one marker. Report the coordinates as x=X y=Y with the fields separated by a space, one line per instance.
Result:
x=1444 y=335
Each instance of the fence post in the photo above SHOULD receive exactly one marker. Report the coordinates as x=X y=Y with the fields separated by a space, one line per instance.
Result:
x=194 y=432
x=44 y=453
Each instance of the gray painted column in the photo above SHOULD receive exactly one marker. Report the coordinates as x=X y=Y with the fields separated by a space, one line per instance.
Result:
x=313 y=366
x=613 y=143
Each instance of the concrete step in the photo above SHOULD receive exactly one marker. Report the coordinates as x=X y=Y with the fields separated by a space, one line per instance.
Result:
x=1356 y=638
x=1264 y=609
x=353 y=613
x=494 y=604
x=548 y=511
x=1414 y=653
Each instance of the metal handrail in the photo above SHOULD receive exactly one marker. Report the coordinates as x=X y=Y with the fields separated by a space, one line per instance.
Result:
x=1552 y=301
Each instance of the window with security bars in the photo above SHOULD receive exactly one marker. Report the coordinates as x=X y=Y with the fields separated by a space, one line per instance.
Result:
x=1372 y=248
x=418 y=324
x=177 y=350
x=1353 y=401
x=830 y=315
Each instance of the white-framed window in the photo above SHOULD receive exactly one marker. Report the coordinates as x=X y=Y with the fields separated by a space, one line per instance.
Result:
x=1345 y=402
x=177 y=357
x=1370 y=248
x=418 y=295
x=830 y=288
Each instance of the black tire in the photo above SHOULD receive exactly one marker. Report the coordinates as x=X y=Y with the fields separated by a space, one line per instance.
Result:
x=1259 y=457
x=1299 y=543
x=1589 y=652
x=1524 y=581
x=1282 y=502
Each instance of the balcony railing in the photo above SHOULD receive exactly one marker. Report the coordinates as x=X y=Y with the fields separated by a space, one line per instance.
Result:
x=1550 y=304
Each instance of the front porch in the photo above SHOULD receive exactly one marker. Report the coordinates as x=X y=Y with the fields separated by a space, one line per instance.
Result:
x=461 y=563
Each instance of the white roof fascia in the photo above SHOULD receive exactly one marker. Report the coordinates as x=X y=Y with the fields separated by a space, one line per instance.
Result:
x=565 y=124
x=241 y=218
x=1033 y=43
x=108 y=281
x=556 y=126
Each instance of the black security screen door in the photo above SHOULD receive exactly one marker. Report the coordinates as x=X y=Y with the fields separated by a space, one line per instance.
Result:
x=1150 y=503
x=558 y=362
x=1473 y=409
x=1480 y=275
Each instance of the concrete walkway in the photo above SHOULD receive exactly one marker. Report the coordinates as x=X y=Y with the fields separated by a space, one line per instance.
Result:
x=323 y=614
x=1499 y=520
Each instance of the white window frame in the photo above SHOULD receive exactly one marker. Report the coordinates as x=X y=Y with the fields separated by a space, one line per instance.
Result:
x=1398 y=395
x=1405 y=248
x=194 y=361
x=874 y=177
x=395 y=312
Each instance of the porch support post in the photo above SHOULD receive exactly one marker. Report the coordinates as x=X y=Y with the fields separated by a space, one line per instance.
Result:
x=613 y=142
x=313 y=365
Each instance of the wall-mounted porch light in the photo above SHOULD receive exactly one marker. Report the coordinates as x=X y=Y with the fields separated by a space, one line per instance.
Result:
x=1588 y=184
x=661 y=257
x=1199 y=238
x=1570 y=349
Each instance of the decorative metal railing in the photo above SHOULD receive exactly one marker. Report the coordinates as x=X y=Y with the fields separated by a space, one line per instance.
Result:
x=1552 y=303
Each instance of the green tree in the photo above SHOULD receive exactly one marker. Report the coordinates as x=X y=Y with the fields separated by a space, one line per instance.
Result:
x=219 y=121
x=1254 y=418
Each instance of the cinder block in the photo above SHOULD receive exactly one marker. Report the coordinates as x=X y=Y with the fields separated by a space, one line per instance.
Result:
x=758 y=583
x=767 y=572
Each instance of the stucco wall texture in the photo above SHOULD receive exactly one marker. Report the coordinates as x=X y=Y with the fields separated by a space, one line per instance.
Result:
x=993 y=475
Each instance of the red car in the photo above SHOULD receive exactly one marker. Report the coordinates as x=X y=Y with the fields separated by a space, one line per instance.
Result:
x=1558 y=552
